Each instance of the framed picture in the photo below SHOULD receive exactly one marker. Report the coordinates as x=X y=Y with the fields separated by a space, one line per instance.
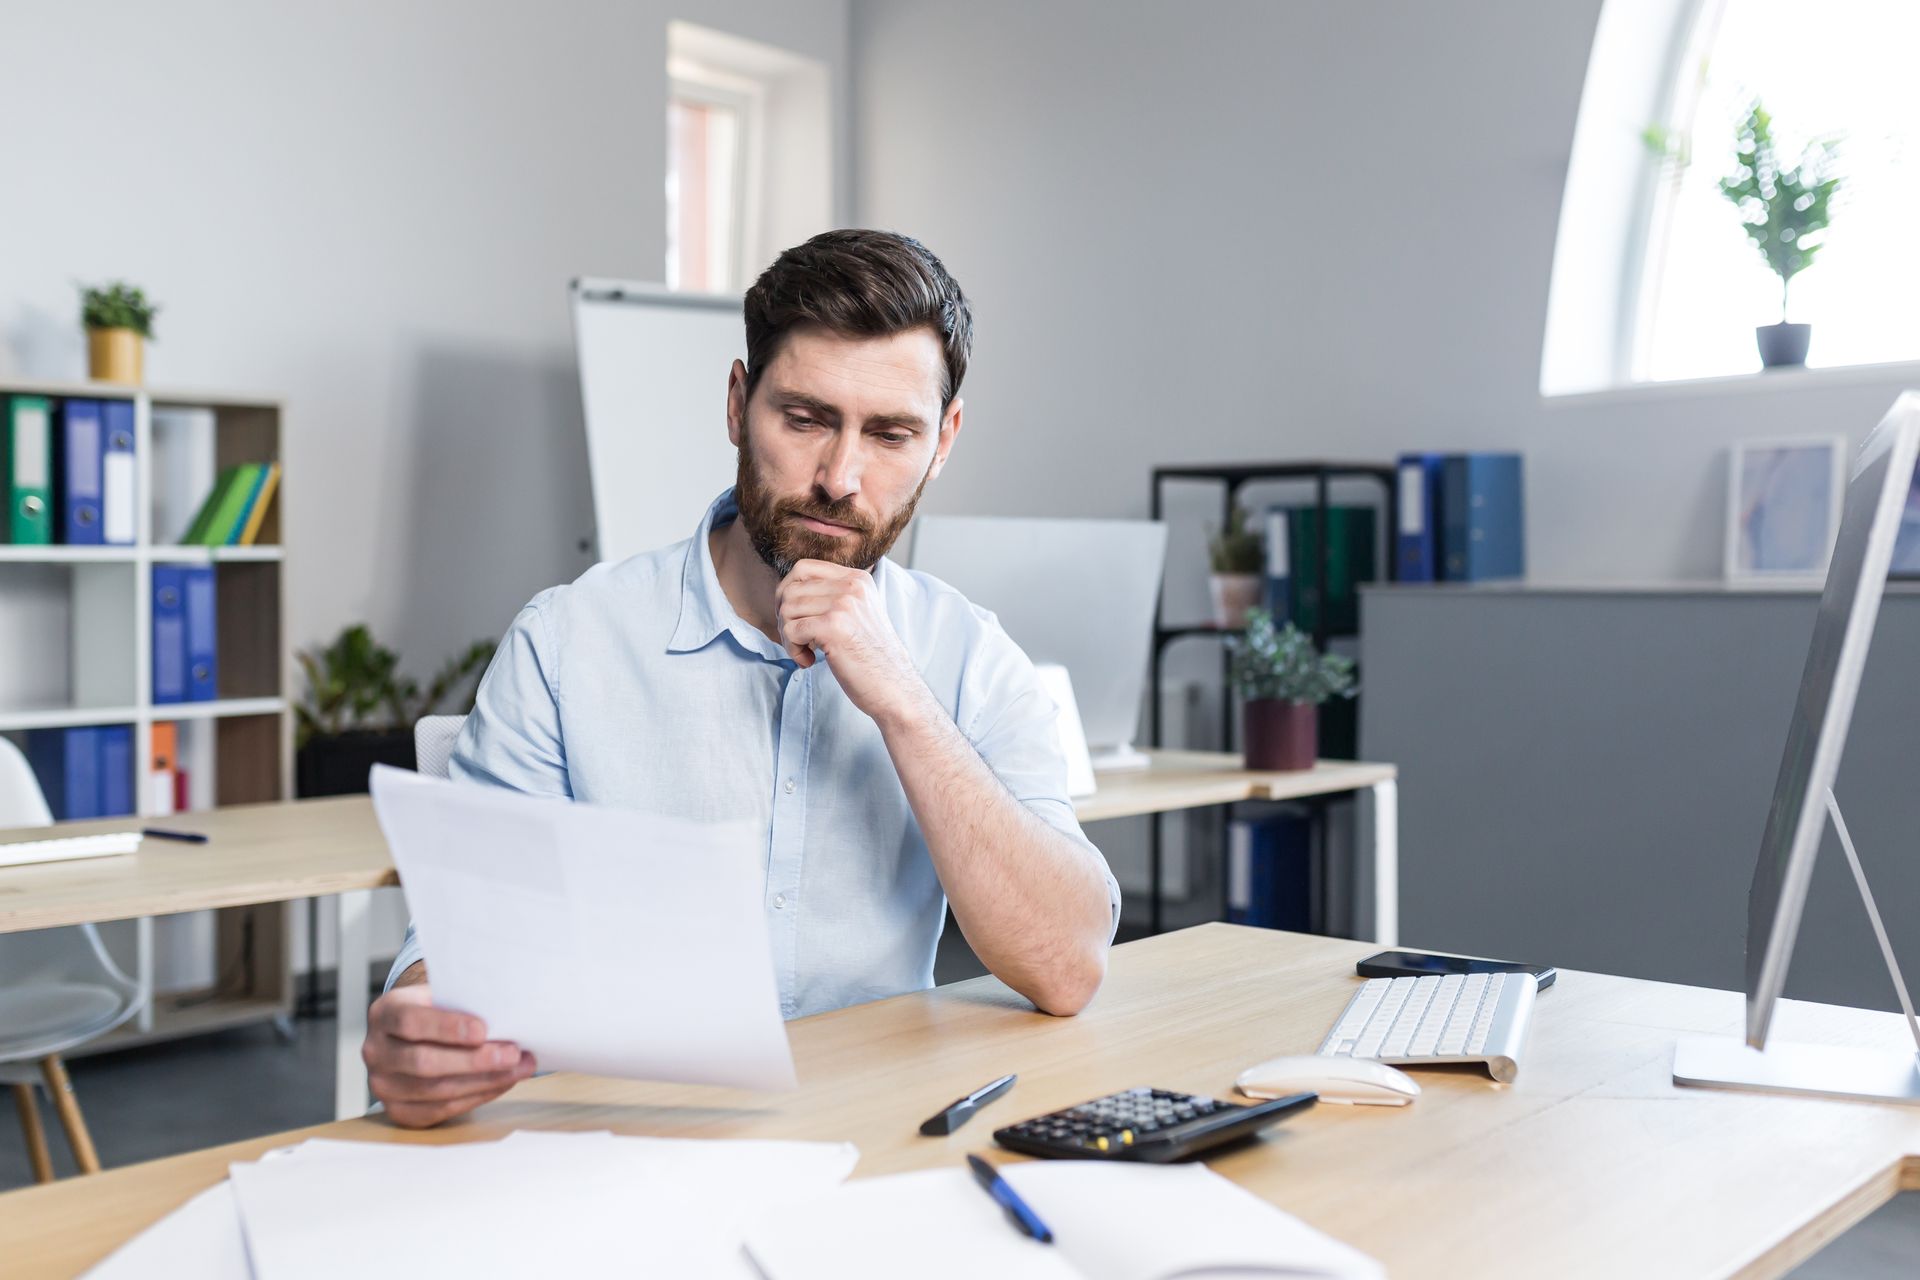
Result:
x=1783 y=508
x=1906 y=546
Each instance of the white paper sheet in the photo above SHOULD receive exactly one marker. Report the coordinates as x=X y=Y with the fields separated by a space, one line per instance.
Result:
x=1110 y=1222
x=198 y=1241
x=534 y=1204
x=603 y=940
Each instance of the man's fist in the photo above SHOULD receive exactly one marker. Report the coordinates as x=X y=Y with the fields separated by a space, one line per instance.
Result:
x=429 y=1065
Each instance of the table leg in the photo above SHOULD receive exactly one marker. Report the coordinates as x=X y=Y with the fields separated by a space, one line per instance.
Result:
x=355 y=954
x=1386 y=863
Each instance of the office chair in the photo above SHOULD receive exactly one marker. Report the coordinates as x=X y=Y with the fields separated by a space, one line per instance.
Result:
x=433 y=739
x=60 y=990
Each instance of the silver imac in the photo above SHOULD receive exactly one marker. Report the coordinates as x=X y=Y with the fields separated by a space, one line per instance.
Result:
x=1080 y=593
x=1803 y=803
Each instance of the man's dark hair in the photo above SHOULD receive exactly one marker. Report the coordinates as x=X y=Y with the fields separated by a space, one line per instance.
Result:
x=861 y=284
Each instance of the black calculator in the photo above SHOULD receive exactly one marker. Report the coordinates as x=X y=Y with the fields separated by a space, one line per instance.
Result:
x=1151 y=1125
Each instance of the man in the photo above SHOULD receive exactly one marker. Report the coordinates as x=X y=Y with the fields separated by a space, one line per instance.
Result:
x=896 y=745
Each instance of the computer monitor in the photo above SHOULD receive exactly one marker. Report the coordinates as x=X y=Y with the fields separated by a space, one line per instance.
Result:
x=1876 y=494
x=1081 y=593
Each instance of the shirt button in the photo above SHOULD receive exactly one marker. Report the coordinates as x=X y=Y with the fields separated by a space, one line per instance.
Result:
x=789 y=786
x=779 y=902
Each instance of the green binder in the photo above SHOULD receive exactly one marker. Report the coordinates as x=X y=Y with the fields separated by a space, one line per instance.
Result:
x=196 y=534
x=1350 y=561
x=232 y=509
x=26 y=470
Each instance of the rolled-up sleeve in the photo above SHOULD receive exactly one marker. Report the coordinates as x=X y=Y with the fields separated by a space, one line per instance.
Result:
x=1012 y=722
x=512 y=738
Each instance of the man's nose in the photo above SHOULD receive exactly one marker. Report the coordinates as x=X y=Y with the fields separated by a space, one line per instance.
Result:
x=839 y=473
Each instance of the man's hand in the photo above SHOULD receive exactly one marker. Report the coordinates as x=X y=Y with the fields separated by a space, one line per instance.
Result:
x=837 y=610
x=429 y=1065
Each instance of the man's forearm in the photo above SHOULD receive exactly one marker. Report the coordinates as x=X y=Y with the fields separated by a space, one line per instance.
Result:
x=412 y=975
x=1032 y=903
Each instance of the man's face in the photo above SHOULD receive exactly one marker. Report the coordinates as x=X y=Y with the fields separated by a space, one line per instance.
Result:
x=837 y=442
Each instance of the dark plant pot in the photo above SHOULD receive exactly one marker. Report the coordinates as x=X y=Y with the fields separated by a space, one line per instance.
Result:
x=1783 y=346
x=339 y=765
x=1281 y=736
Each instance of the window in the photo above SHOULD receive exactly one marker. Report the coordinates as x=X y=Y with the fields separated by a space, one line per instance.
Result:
x=1841 y=71
x=707 y=131
x=749 y=156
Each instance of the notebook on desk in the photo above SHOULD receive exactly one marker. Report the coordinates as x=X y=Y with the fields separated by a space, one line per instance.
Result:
x=1109 y=1221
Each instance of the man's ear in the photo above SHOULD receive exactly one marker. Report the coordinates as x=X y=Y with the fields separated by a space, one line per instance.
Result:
x=737 y=404
x=949 y=432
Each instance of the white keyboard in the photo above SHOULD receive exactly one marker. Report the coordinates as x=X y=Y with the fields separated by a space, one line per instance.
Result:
x=1478 y=1017
x=100 y=846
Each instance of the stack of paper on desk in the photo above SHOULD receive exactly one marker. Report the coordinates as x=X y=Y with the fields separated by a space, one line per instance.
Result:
x=602 y=940
x=533 y=1204
x=1109 y=1221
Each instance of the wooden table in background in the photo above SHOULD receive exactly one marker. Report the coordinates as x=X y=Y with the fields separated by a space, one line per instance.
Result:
x=310 y=848
x=1592 y=1163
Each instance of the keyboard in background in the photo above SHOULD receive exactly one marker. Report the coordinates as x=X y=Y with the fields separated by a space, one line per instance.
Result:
x=25 y=852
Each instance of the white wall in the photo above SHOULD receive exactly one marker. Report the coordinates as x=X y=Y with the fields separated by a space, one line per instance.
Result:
x=372 y=209
x=1244 y=229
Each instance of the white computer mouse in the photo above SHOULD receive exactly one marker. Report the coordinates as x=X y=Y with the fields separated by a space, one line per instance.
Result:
x=1357 y=1080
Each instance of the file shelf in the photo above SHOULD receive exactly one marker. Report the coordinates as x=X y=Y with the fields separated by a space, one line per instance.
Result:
x=81 y=618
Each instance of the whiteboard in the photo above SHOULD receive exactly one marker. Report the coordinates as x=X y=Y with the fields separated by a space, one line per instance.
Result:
x=653 y=383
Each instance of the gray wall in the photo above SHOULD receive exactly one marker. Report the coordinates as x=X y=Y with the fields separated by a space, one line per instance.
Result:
x=1585 y=778
x=1246 y=229
x=372 y=209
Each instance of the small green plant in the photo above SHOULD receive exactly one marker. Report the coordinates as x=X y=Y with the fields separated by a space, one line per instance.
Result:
x=118 y=306
x=1281 y=662
x=1236 y=549
x=355 y=685
x=1781 y=208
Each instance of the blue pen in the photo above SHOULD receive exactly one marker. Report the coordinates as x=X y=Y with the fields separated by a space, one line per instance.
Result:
x=188 y=837
x=996 y=1186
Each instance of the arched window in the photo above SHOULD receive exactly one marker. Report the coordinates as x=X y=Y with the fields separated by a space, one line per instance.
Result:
x=1689 y=284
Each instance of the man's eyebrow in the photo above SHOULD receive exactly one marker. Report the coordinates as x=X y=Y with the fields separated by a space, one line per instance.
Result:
x=821 y=409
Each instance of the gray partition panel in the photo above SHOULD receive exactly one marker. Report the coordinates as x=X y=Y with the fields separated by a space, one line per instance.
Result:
x=1584 y=777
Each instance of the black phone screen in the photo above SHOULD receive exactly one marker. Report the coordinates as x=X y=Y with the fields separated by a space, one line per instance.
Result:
x=1415 y=964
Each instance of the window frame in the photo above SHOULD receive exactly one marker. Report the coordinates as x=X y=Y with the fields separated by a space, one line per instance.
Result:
x=694 y=82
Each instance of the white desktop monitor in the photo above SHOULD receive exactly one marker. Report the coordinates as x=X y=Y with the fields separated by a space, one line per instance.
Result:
x=1081 y=593
x=1883 y=473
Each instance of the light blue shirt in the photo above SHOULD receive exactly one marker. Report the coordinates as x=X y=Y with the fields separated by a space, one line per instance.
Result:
x=638 y=686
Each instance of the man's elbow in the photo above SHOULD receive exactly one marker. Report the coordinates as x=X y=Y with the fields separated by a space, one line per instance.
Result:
x=1072 y=983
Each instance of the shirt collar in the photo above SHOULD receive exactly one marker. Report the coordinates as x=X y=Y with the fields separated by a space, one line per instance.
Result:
x=705 y=611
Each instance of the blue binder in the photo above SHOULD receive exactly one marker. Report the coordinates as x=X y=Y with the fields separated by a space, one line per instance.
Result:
x=67 y=763
x=1483 y=517
x=116 y=770
x=1278 y=596
x=118 y=509
x=169 y=633
x=1269 y=879
x=78 y=473
x=202 y=620
x=1417 y=541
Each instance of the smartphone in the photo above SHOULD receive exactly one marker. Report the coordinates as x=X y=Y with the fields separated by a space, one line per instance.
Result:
x=1418 y=964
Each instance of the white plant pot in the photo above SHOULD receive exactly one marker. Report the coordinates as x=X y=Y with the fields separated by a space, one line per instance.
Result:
x=1233 y=595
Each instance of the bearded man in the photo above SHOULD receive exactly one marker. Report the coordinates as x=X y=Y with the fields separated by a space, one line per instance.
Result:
x=894 y=745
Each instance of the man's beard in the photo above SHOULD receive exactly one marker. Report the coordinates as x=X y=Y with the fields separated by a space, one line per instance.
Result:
x=773 y=524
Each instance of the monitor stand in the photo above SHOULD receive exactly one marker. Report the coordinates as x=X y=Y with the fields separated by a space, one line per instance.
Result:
x=1824 y=1071
x=1115 y=759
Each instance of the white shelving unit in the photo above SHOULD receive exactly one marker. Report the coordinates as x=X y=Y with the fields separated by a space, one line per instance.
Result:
x=76 y=649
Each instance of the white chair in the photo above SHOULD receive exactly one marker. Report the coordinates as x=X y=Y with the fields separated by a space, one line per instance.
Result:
x=60 y=989
x=433 y=739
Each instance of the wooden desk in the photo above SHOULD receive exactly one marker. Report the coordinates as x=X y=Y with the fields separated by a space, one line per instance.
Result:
x=308 y=848
x=1591 y=1164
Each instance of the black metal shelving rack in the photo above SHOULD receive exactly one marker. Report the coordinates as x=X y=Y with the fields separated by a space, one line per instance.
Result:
x=1233 y=477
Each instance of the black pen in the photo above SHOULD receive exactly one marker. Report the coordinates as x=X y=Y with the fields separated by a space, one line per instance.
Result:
x=962 y=1109
x=996 y=1186
x=189 y=837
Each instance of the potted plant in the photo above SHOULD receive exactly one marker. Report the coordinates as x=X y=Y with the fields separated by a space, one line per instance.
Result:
x=359 y=711
x=1282 y=680
x=118 y=320
x=1237 y=560
x=1781 y=209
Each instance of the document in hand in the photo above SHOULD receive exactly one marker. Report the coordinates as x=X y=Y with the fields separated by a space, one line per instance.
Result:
x=1109 y=1222
x=605 y=941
